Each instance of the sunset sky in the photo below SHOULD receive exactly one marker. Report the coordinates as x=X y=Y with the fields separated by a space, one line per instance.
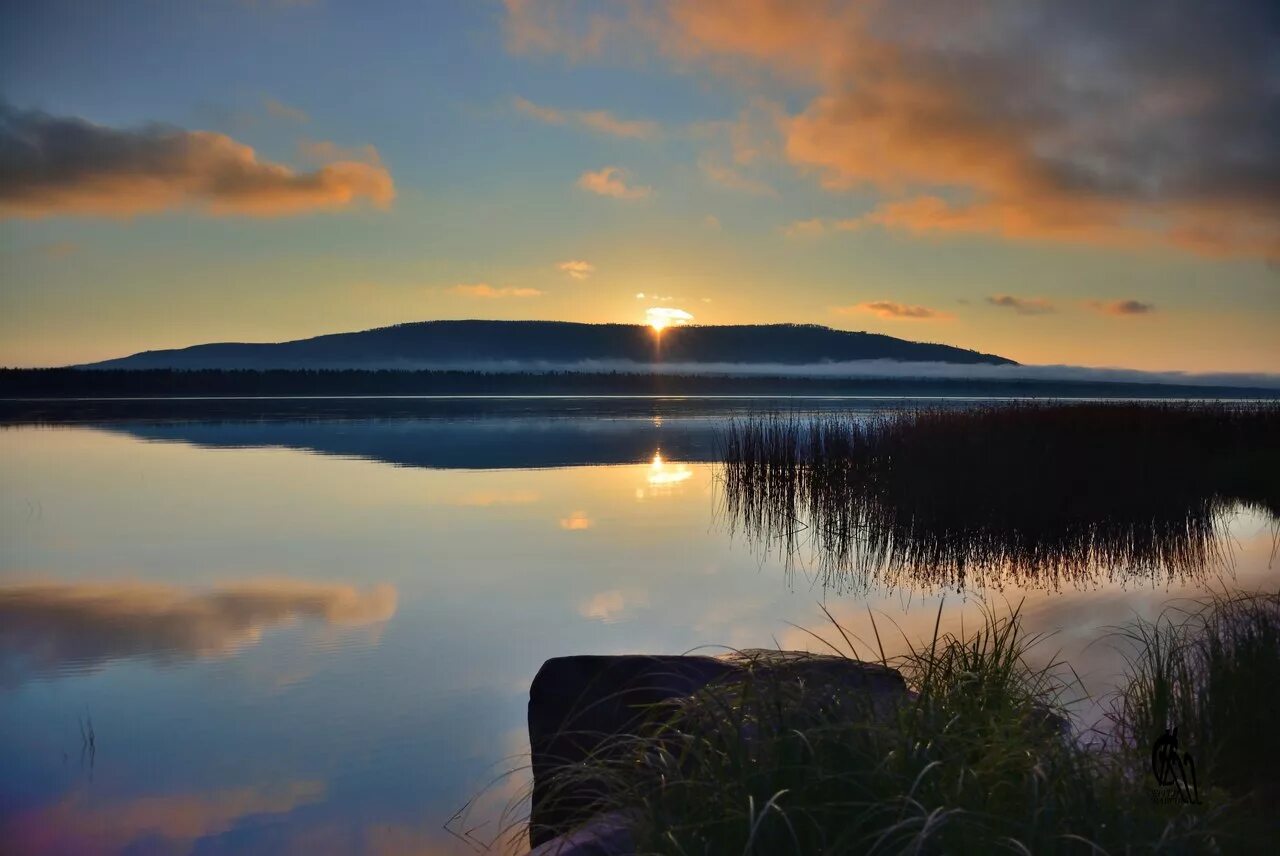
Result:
x=1087 y=182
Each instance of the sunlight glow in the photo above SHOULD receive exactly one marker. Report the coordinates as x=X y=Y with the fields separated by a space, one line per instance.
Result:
x=662 y=317
x=662 y=474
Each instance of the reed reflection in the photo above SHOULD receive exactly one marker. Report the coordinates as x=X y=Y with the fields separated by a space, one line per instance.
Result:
x=1034 y=494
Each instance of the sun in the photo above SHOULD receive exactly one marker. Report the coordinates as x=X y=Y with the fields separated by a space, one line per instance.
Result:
x=660 y=318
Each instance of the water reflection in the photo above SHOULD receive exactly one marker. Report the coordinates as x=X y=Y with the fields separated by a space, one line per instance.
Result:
x=662 y=474
x=1033 y=496
x=158 y=823
x=330 y=744
x=65 y=628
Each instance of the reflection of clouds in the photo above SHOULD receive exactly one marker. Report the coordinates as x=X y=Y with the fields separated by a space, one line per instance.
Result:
x=53 y=627
x=80 y=824
x=609 y=606
x=576 y=521
x=486 y=498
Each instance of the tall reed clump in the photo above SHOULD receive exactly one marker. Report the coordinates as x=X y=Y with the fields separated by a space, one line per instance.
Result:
x=1032 y=493
x=976 y=758
x=1212 y=671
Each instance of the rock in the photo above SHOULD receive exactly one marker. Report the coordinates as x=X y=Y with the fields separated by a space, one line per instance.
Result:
x=576 y=703
x=603 y=835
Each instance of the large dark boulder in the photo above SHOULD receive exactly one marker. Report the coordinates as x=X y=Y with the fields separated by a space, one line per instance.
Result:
x=576 y=703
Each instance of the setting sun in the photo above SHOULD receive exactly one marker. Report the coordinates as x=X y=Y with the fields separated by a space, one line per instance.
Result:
x=662 y=317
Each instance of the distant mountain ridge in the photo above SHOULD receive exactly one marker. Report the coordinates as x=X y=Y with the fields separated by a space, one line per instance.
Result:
x=452 y=344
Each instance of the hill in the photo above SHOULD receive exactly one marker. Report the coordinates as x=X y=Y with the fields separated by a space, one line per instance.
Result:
x=481 y=344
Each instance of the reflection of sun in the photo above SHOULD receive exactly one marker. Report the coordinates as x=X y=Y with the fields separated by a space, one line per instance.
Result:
x=662 y=474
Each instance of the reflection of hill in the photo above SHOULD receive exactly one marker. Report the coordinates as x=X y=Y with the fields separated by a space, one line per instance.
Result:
x=496 y=443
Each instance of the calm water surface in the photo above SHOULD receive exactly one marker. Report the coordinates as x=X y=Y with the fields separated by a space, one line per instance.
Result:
x=318 y=636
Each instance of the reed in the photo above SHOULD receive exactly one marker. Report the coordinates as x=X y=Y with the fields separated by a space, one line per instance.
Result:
x=1030 y=493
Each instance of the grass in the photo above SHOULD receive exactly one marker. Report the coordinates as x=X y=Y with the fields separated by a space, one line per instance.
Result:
x=1213 y=671
x=978 y=758
x=1031 y=493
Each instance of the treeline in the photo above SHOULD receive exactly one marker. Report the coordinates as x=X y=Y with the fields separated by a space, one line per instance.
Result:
x=119 y=383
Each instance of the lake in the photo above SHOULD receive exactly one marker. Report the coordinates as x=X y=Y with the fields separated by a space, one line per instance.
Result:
x=310 y=625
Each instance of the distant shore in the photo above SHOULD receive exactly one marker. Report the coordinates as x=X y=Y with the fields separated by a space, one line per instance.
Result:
x=162 y=383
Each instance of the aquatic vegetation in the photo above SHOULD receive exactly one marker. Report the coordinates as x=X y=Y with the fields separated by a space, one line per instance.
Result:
x=1032 y=493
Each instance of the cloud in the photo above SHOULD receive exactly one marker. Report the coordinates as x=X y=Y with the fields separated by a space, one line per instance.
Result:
x=577 y=268
x=600 y=121
x=536 y=26
x=66 y=166
x=711 y=221
x=606 y=123
x=666 y=316
x=1151 y=127
x=1022 y=305
x=892 y=310
x=280 y=110
x=1121 y=308
x=812 y=228
x=611 y=181
x=733 y=179
x=488 y=292
x=47 y=628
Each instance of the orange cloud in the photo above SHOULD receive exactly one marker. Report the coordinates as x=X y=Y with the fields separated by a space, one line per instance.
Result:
x=734 y=179
x=65 y=166
x=812 y=228
x=611 y=181
x=577 y=269
x=1121 y=308
x=280 y=110
x=536 y=26
x=1038 y=123
x=601 y=121
x=488 y=292
x=895 y=311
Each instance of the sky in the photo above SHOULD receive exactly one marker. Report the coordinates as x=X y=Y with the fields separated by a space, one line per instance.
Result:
x=1083 y=183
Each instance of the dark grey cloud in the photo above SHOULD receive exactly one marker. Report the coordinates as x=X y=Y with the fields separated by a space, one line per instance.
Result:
x=1022 y=305
x=1122 y=307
